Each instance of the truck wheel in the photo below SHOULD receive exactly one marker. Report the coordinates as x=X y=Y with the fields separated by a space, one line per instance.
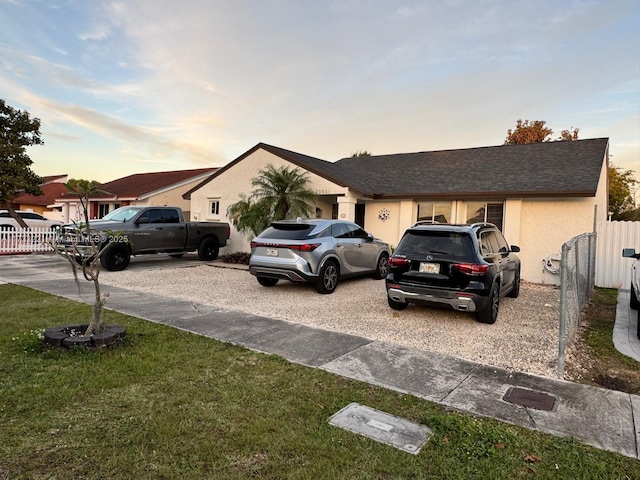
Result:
x=115 y=257
x=208 y=249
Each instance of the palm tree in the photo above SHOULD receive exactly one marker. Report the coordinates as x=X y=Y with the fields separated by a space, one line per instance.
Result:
x=278 y=194
x=248 y=216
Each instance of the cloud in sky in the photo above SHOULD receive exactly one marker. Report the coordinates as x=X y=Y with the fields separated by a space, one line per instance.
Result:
x=133 y=86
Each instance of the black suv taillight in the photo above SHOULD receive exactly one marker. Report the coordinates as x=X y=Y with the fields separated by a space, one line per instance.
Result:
x=473 y=269
x=397 y=262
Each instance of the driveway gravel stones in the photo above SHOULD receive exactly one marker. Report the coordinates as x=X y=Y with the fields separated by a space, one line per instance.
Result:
x=524 y=338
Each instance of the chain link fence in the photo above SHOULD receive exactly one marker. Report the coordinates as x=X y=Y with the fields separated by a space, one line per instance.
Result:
x=577 y=279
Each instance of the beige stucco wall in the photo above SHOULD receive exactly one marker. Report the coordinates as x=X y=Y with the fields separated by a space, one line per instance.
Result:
x=602 y=193
x=387 y=220
x=545 y=225
x=171 y=197
x=227 y=188
x=538 y=226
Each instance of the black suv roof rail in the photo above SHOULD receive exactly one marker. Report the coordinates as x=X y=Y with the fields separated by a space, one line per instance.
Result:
x=482 y=224
x=470 y=225
x=425 y=222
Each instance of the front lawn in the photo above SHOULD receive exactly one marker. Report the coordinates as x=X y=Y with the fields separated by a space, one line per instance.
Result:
x=170 y=404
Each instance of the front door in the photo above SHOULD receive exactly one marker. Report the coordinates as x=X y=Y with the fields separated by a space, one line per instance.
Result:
x=360 y=214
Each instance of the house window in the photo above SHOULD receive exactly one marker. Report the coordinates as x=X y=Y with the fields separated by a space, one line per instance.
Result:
x=434 y=212
x=485 y=212
x=103 y=209
x=214 y=208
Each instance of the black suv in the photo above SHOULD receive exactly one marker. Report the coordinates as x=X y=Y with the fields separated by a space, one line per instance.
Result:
x=465 y=267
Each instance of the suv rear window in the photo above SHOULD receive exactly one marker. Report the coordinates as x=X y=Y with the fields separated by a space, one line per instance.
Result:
x=288 y=231
x=424 y=242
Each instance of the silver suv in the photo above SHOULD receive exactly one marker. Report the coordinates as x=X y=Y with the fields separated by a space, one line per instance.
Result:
x=317 y=251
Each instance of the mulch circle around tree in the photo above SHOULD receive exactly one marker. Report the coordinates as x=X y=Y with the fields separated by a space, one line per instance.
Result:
x=70 y=336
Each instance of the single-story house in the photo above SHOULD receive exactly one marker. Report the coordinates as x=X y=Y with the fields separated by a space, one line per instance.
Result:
x=45 y=204
x=540 y=195
x=157 y=188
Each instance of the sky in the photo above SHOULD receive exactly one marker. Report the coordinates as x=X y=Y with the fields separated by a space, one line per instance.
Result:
x=135 y=86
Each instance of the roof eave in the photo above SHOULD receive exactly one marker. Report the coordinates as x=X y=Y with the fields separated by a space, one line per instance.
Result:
x=487 y=195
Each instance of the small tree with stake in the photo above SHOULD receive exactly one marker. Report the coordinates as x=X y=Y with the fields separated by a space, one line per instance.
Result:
x=82 y=247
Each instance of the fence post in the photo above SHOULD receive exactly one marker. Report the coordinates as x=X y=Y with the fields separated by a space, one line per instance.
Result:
x=593 y=248
x=562 y=340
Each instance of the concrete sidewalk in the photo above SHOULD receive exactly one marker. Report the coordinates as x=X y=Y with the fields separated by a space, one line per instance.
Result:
x=605 y=419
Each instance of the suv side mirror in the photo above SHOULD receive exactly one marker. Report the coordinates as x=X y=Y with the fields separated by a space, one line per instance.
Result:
x=629 y=252
x=515 y=248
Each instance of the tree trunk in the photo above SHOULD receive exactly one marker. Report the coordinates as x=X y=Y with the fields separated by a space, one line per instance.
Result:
x=96 y=325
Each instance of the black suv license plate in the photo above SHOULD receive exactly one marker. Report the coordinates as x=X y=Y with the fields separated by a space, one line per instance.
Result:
x=426 y=267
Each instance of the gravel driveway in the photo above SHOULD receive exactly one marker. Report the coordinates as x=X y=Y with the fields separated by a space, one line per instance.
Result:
x=525 y=337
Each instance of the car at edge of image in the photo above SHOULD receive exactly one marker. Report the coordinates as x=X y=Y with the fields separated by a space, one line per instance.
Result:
x=634 y=293
x=464 y=267
x=32 y=219
x=318 y=251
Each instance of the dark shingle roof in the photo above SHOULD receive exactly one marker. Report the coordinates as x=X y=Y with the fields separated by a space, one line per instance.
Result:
x=567 y=168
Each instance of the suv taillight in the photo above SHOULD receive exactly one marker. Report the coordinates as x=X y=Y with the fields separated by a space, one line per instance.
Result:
x=395 y=262
x=304 y=247
x=470 y=268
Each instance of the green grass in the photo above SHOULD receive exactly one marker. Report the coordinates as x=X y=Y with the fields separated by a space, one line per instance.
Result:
x=601 y=320
x=172 y=405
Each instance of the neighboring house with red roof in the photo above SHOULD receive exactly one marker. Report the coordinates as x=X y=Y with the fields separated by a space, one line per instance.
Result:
x=540 y=195
x=156 y=188
x=44 y=204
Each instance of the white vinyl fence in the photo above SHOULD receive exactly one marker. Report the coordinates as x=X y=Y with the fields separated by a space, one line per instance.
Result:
x=612 y=270
x=26 y=240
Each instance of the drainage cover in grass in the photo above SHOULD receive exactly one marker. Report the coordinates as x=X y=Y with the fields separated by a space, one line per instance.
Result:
x=382 y=427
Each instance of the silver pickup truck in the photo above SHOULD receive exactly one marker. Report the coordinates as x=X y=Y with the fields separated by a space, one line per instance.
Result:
x=138 y=230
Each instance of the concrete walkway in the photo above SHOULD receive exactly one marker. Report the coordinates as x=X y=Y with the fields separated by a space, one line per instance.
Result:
x=625 y=331
x=605 y=419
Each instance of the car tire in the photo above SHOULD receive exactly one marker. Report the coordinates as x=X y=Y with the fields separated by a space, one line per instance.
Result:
x=267 y=281
x=382 y=267
x=490 y=314
x=396 y=305
x=633 y=300
x=328 y=278
x=515 y=289
x=208 y=249
x=115 y=257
